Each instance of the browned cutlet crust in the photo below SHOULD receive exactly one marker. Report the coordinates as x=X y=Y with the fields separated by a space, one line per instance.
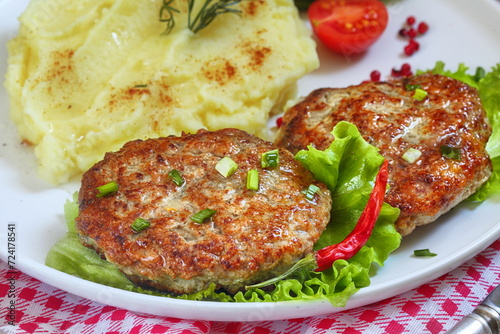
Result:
x=253 y=236
x=390 y=118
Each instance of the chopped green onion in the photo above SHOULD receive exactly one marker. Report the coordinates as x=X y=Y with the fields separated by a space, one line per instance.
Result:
x=451 y=152
x=270 y=159
x=411 y=87
x=176 y=177
x=253 y=179
x=423 y=252
x=107 y=189
x=411 y=155
x=140 y=224
x=140 y=86
x=226 y=166
x=203 y=215
x=310 y=192
x=420 y=94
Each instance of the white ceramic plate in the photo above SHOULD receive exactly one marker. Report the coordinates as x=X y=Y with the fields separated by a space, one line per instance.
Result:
x=460 y=31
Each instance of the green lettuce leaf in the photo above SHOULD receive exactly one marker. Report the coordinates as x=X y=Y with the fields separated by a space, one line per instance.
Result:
x=348 y=167
x=68 y=255
x=488 y=86
x=460 y=74
x=489 y=91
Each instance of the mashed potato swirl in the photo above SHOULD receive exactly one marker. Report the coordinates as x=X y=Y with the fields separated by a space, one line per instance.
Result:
x=84 y=77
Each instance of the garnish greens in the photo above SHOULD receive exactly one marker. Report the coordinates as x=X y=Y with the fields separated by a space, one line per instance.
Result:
x=450 y=152
x=140 y=224
x=411 y=155
x=303 y=5
x=311 y=191
x=176 y=176
x=420 y=94
x=253 y=179
x=107 y=189
x=423 y=253
x=226 y=166
x=201 y=216
x=167 y=15
x=205 y=15
x=411 y=87
x=270 y=159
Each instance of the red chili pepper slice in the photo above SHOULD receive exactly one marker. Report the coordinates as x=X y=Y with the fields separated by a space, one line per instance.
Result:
x=364 y=227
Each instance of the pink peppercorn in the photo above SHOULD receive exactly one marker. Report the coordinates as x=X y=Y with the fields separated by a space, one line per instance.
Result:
x=410 y=32
x=422 y=28
x=411 y=20
x=375 y=76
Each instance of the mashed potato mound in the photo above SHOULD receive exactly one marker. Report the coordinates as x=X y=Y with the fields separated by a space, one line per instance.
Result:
x=84 y=77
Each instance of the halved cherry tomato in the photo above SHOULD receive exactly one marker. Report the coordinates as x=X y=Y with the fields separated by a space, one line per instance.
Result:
x=348 y=26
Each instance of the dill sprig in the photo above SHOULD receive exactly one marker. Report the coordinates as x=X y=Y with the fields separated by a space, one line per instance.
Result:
x=207 y=13
x=167 y=15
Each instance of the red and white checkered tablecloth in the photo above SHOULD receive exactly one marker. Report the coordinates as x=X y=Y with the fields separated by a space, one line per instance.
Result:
x=431 y=308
